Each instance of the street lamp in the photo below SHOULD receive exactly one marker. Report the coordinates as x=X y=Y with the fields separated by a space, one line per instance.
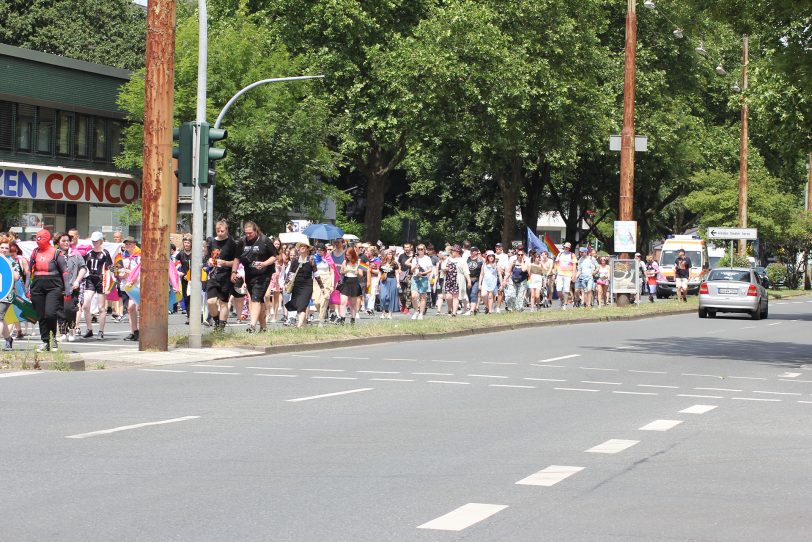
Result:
x=720 y=70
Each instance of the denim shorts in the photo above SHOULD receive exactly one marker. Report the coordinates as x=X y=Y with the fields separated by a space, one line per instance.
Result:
x=584 y=283
x=420 y=285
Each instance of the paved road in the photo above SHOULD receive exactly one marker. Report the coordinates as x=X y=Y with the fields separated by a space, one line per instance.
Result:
x=665 y=429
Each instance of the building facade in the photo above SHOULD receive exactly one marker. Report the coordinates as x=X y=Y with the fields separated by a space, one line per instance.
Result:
x=60 y=130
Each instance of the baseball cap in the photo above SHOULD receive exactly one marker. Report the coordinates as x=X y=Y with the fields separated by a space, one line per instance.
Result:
x=568 y=244
x=637 y=254
x=498 y=244
x=96 y=236
x=474 y=249
x=129 y=239
x=583 y=249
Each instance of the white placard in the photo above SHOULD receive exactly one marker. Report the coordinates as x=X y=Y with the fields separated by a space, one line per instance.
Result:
x=625 y=236
x=749 y=234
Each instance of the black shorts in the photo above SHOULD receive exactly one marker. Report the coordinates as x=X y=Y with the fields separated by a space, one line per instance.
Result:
x=94 y=283
x=257 y=286
x=219 y=285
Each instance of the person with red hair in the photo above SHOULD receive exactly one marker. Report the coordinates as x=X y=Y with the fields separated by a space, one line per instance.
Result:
x=350 y=287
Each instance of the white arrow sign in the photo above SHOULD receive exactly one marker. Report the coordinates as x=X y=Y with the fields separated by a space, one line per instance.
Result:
x=749 y=234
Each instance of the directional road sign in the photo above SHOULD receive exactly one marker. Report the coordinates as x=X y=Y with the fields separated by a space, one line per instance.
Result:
x=747 y=234
x=6 y=277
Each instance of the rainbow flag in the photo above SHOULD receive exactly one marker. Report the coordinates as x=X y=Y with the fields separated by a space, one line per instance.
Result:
x=363 y=265
x=550 y=245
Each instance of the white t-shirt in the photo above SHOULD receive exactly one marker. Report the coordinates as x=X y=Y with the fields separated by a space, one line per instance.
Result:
x=502 y=260
x=424 y=263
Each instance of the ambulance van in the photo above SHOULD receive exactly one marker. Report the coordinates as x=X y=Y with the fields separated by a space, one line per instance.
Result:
x=695 y=250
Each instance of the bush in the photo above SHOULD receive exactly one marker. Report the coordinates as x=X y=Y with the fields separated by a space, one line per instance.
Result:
x=777 y=273
x=738 y=261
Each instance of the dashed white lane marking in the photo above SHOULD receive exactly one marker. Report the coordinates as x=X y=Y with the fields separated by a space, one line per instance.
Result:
x=399 y=359
x=574 y=389
x=212 y=366
x=598 y=382
x=213 y=373
x=775 y=324
x=635 y=392
x=660 y=425
x=447 y=361
x=334 y=377
x=747 y=377
x=270 y=374
x=649 y=372
x=434 y=374
x=271 y=368
x=303 y=356
x=793 y=380
x=700 y=396
x=612 y=446
x=348 y=357
x=511 y=386
x=806 y=402
x=710 y=376
x=499 y=363
x=549 y=476
x=657 y=386
x=380 y=372
x=749 y=327
x=488 y=376
x=327 y=395
x=559 y=358
x=325 y=370
x=134 y=426
x=598 y=369
x=627 y=347
x=545 y=379
x=464 y=516
x=715 y=389
x=698 y=409
x=789 y=375
x=756 y=399
x=163 y=370
x=776 y=392
x=797 y=302
x=782 y=303
x=20 y=373
x=446 y=382
x=714 y=331
x=555 y=366
x=391 y=380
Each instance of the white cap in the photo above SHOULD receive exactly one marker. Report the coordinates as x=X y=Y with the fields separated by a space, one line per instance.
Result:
x=96 y=236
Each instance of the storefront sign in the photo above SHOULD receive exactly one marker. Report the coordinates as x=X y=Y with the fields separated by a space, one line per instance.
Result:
x=75 y=186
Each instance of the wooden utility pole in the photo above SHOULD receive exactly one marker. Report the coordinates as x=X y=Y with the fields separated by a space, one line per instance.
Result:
x=627 y=135
x=743 y=148
x=156 y=191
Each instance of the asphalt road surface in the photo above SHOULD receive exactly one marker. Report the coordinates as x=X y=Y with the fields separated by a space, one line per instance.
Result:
x=670 y=428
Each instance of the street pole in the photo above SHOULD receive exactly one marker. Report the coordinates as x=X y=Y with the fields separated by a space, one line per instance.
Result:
x=157 y=176
x=195 y=285
x=743 y=147
x=626 y=211
x=210 y=193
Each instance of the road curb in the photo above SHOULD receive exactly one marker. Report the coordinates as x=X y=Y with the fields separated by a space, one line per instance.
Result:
x=383 y=339
x=72 y=362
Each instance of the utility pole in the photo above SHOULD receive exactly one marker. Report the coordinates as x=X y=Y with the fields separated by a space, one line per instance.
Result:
x=743 y=148
x=195 y=284
x=157 y=176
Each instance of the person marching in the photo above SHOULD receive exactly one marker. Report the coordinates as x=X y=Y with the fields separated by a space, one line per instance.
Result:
x=565 y=270
x=303 y=272
x=421 y=269
x=5 y=303
x=221 y=250
x=98 y=261
x=257 y=254
x=77 y=269
x=350 y=286
x=50 y=288
x=129 y=275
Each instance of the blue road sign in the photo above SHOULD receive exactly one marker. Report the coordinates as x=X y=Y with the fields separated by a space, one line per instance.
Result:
x=6 y=277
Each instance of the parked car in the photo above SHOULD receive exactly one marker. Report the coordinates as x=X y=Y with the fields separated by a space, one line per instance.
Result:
x=733 y=289
x=762 y=275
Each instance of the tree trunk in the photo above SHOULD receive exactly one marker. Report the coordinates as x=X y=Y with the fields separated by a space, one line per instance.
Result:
x=377 y=186
x=509 y=184
x=376 y=166
x=534 y=183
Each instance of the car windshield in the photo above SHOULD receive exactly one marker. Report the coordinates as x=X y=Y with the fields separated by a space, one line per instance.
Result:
x=731 y=275
x=760 y=270
x=668 y=257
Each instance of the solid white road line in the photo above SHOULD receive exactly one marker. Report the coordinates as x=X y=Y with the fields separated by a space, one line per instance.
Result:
x=612 y=446
x=747 y=377
x=303 y=356
x=128 y=427
x=700 y=396
x=716 y=389
x=549 y=476
x=325 y=370
x=488 y=376
x=710 y=376
x=399 y=359
x=270 y=374
x=660 y=425
x=271 y=368
x=510 y=386
x=574 y=389
x=545 y=379
x=445 y=382
x=657 y=386
x=447 y=361
x=698 y=409
x=556 y=366
x=347 y=357
x=559 y=358
x=635 y=392
x=212 y=366
x=20 y=373
x=598 y=382
x=649 y=372
x=327 y=395
x=499 y=363
x=463 y=517
x=212 y=373
x=777 y=392
x=756 y=399
x=162 y=370
x=597 y=369
x=334 y=377
x=434 y=374
x=380 y=372
x=391 y=380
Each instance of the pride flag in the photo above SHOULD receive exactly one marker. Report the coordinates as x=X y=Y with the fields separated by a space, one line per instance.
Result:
x=550 y=245
x=534 y=243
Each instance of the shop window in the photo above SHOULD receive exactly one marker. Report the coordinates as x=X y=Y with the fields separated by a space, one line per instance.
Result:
x=6 y=124
x=25 y=127
x=63 y=133
x=80 y=139
x=116 y=141
x=100 y=140
x=46 y=130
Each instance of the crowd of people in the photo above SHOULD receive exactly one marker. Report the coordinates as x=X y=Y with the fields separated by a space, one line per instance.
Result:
x=259 y=280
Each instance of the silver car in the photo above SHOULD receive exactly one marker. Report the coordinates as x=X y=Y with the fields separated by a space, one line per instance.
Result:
x=733 y=289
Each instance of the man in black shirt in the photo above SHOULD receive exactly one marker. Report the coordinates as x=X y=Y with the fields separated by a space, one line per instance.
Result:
x=475 y=270
x=221 y=251
x=682 y=272
x=257 y=255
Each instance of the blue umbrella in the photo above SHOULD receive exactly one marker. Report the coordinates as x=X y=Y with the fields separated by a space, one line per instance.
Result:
x=323 y=232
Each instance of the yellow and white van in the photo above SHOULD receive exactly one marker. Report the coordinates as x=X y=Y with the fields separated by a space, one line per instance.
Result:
x=695 y=250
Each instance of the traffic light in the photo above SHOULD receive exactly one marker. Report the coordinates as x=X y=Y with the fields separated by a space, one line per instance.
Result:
x=209 y=153
x=185 y=136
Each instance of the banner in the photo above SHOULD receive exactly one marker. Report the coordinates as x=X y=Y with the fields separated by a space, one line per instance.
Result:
x=78 y=186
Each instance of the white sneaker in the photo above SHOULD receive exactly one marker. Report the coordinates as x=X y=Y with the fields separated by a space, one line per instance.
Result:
x=467 y=313
x=414 y=316
x=62 y=338
x=498 y=310
x=44 y=347
x=389 y=316
x=420 y=316
x=71 y=338
x=383 y=316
